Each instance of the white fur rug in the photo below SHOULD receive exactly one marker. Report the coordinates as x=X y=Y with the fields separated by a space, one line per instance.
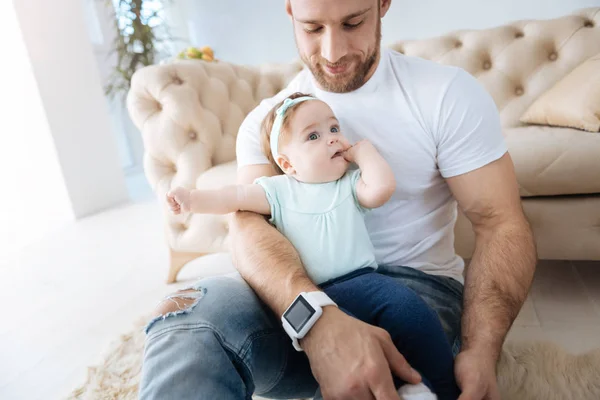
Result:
x=527 y=371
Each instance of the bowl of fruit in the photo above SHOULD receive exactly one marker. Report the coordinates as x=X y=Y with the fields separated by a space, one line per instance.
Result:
x=197 y=53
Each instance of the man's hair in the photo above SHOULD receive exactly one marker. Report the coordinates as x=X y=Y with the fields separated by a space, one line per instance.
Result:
x=284 y=134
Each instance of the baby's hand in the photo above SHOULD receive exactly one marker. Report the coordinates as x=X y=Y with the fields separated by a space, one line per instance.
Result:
x=178 y=200
x=355 y=152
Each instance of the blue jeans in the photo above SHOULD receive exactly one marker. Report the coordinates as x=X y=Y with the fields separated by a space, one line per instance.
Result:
x=229 y=345
x=414 y=327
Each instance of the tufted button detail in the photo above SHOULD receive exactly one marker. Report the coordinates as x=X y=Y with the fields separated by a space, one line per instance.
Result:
x=519 y=90
x=519 y=35
x=588 y=24
x=192 y=135
x=401 y=50
x=553 y=56
x=458 y=44
x=487 y=64
x=177 y=81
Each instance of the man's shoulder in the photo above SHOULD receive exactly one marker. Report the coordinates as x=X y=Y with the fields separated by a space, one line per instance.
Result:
x=433 y=80
x=300 y=83
x=430 y=83
x=248 y=146
x=420 y=70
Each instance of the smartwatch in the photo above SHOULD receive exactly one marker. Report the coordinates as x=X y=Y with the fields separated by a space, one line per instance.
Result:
x=302 y=314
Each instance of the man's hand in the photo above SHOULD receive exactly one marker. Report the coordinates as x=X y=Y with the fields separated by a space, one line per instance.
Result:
x=178 y=200
x=354 y=360
x=476 y=376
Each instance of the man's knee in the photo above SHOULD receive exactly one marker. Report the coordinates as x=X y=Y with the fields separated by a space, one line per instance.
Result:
x=180 y=301
x=217 y=302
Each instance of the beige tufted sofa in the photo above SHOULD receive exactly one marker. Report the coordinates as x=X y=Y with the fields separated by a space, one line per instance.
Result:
x=189 y=113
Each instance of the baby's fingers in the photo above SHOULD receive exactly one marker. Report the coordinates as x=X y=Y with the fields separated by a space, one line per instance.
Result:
x=172 y=204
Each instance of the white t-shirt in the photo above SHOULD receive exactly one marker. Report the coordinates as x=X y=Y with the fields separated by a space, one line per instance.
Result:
x=430 y=122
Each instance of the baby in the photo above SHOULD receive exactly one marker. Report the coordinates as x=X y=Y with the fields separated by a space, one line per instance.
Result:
x=319 y=204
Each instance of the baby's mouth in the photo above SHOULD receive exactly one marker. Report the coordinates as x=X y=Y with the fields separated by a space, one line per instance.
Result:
x=338 y=154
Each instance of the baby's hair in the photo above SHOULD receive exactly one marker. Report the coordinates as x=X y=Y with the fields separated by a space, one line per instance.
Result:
x=267 y=125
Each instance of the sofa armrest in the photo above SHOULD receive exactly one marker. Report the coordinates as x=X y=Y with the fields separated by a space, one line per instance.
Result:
x=189 y=113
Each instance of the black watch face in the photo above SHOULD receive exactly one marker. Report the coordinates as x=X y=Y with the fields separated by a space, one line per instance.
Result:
x=299 y=313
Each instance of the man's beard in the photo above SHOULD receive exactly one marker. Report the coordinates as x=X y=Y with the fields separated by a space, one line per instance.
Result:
x=346 y=83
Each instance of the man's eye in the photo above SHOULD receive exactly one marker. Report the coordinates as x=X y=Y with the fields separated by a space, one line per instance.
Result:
x=334 y=129
x=313 y=136
x=352 y=26
x=313 y=30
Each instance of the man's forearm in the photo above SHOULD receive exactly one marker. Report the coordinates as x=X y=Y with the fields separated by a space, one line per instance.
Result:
x=496 y=285
x=267 y=261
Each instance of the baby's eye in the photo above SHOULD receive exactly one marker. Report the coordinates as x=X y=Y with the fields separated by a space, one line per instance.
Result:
x=313 y=136
x=334 y=129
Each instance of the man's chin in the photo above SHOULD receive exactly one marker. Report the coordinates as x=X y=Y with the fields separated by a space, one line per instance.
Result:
x=338 y=83
x=342 y=78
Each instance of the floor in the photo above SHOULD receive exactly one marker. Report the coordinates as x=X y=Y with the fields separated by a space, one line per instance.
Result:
x=69 y=295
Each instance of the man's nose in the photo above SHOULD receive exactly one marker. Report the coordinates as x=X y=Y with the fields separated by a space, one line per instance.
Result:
x=333 y=46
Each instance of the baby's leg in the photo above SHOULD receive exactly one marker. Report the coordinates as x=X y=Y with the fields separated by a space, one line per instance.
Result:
x=413 y=326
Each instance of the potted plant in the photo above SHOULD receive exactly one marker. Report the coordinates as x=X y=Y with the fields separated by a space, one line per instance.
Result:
x=141 y=39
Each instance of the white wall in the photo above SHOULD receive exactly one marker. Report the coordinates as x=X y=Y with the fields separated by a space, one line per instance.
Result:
x=100 y=25
x=253 y=32
x=241 y=31
x=63 y=63
x=58 y=158
x=33 y=199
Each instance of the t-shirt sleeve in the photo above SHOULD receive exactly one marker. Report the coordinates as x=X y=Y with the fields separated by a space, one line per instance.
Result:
x=469 y=133
x=248 y=147
x=354 y=176
x=269 y=184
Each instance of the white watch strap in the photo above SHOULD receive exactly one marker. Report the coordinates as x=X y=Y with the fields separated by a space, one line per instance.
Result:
x=321 y=299
x=316 y=299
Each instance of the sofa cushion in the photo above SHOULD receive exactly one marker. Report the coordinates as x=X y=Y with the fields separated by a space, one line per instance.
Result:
x=218 y=176
x=548 y=161
x=203 y=233
x=516 y=62
x=555 y=161
x=573 y=102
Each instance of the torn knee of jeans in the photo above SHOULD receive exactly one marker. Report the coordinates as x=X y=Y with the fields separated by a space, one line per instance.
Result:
x=180 y=302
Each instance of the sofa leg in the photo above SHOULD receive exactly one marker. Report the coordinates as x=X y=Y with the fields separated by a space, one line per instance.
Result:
x=178 y=260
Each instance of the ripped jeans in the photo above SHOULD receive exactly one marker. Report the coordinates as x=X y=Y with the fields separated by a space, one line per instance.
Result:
x=229 y=345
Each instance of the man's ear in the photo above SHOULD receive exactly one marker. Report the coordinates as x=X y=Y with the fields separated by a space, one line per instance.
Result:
x=288 y=8
x=385 y=6
x=285 y=165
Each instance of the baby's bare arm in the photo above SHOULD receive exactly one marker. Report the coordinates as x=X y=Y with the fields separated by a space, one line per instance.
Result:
x=377 y=183
x=229 y=199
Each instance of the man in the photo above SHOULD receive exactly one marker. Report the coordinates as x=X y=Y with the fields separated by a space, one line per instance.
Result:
x=440 y=132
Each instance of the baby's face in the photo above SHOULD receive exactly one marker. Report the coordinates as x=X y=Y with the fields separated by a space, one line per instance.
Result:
x=314 y=150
